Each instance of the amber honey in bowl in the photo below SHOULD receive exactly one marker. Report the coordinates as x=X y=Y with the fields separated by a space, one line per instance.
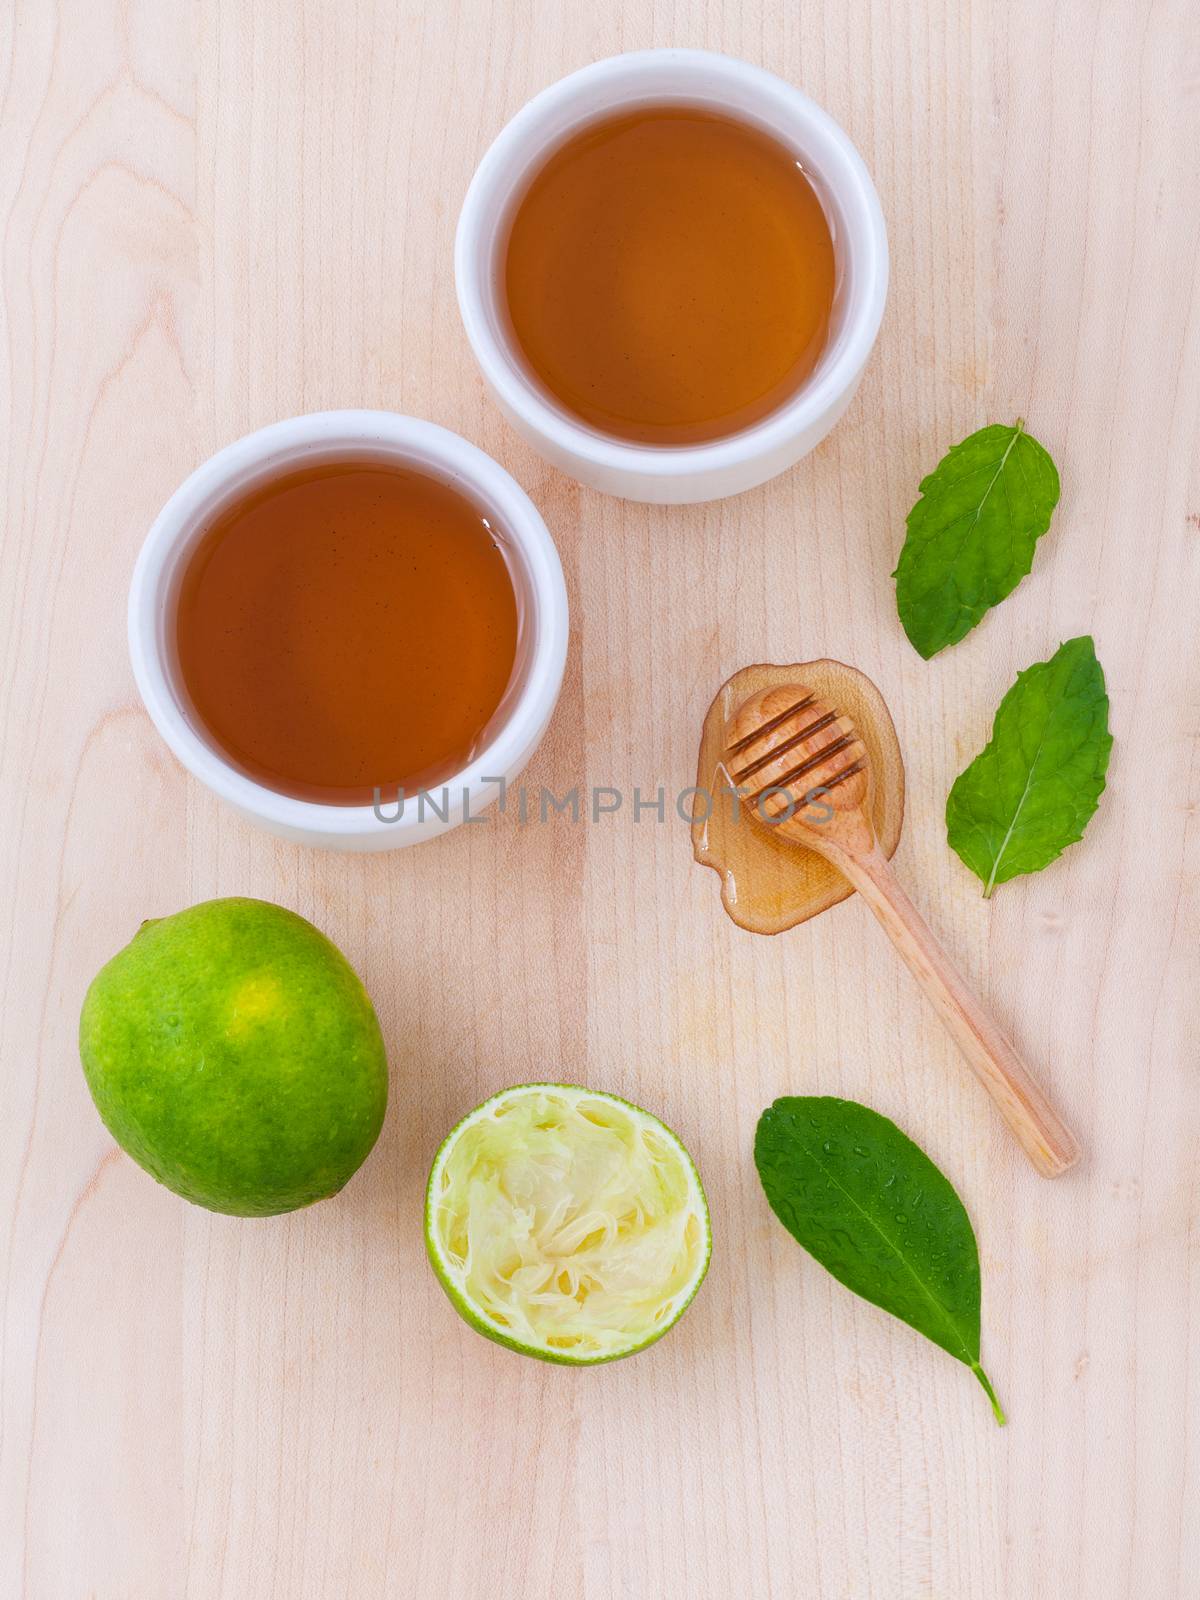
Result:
x=669 y=275
x=349 y=629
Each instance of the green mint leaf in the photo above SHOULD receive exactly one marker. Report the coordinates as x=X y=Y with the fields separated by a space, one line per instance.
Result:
x=876 y=1212
x=1032 y=789
x=971 y=535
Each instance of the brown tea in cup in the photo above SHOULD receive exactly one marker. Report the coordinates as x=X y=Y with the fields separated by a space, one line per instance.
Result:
x=349 y=628
x=669 y=275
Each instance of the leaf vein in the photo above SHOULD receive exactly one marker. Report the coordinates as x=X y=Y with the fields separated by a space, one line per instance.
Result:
x=943 y=1312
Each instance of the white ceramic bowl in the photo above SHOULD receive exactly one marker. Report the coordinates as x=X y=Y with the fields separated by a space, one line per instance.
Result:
x=328 y=436
x=675 y=474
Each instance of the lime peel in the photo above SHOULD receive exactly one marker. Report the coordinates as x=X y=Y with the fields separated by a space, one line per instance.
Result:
x=566 y=1223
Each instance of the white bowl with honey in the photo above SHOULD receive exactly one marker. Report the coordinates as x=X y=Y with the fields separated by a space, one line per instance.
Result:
x=352 y=626
x=672 y=267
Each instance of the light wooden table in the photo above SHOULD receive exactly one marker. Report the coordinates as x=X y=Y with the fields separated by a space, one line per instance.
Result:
x=219 y=213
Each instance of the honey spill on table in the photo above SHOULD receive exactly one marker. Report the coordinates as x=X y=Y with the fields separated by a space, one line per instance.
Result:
x=767 y=883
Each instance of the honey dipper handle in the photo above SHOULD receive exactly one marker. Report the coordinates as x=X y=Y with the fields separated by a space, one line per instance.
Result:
x=990 y=1054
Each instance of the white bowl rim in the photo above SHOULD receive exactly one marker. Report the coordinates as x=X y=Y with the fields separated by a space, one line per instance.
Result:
x=855 y=190
x=461 y=461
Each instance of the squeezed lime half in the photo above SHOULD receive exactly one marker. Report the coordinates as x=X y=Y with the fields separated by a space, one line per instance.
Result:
x=566 y=1223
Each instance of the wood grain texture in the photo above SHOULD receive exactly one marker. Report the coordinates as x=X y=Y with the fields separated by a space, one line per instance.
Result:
x=219 y=212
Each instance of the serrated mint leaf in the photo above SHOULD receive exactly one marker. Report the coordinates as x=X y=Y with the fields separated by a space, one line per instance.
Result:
x=1032 y=789
x=876 y=1212
x=971 y=535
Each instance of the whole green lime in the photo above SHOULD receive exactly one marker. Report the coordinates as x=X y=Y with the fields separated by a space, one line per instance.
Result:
x=233 y=1052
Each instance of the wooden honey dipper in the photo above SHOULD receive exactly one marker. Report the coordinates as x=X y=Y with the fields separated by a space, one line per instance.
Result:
x=803 y=771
